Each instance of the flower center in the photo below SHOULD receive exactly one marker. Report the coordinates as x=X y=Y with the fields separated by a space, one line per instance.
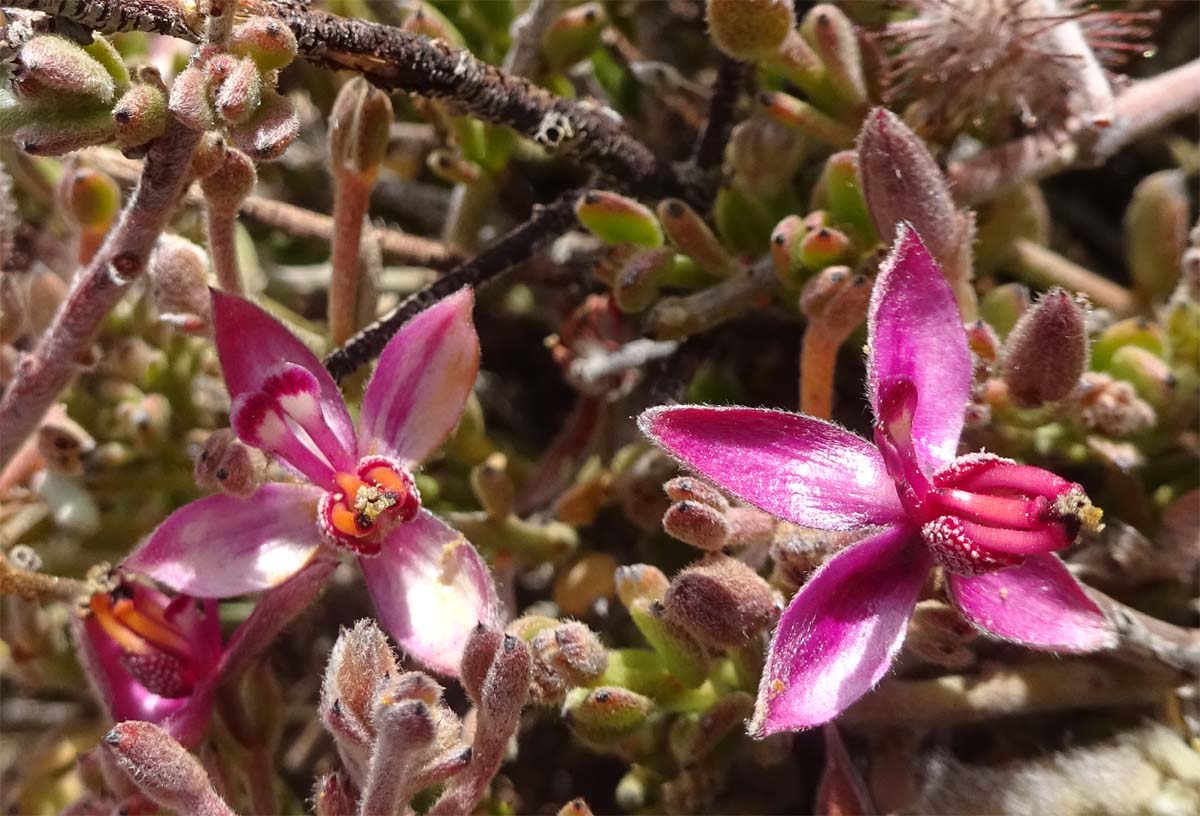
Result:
x=981 y=512
x=153 y=650
x=380 y=493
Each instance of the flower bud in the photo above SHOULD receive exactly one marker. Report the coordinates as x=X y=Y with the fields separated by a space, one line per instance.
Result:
x=691 y=236
x=700 y=525
x=690 y=489
x=228 y=464
x=785 y=250
x=837 y=299
x=832 y=36
x=239 y=87
x=640 y=581
x=749 y=29
x=577 y=652
x=607 y=714
x=190 y=100
x=405 y=729
x=1003 y=306
x=844 y=198
x=60 y=132
x=267 y=134
x=720 y=601
x=1132 y=331
x=266 y=40
x=359 y=665
x=359 y=128
x=90 y=199
x=765 y=155
x=493 y=487
x=589 y=579
x=163 y=769
x=616 y=219
x=333 y=795
x=229 y=181
x=50 y=67
x=209 y=155
x=1112 y=407
x=1156 y=229
x=478 y=654
x=638 y=283
x=573 y=35
x=684 y=657
x=804 y=118
x=1047 y=351
x=824 y=247
x=178 y=273
x=901 y=182
x=1148 y=373
x=140 y=115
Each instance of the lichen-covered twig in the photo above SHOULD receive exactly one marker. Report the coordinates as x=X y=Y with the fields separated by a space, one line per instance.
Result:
x=399 y=60
x=515 y=247
x=98 y=287
x=1146 y=106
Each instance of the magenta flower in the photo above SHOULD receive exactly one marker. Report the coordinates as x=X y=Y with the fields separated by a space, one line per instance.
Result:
x=160 y=659
x=357 y=491
x=991 y=524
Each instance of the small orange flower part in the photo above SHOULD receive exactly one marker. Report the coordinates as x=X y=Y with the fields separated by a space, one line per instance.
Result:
x=381 y=492
x=153 y=649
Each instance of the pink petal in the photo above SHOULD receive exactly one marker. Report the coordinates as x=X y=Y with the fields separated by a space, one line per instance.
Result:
x=431 y=589
x=915 y=333
x=805 y=470
x=251 y=344
x=422 y=382
x=1038 y=603
x=221 y=546
x=839 y=634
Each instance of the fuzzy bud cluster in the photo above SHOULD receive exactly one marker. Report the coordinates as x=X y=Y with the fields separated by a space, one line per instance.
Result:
x=720 y=602
x=1046 y=352
x=702 y=517
x=564 y=654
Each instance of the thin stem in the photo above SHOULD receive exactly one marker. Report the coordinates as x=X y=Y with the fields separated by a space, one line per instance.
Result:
x=43 y=375
x=36 y=586
x=517 y=246
x=731 y=77
x=351 y=197
x=676 y=317
x=1043 y=267
x=818 y=359
x=220 y=224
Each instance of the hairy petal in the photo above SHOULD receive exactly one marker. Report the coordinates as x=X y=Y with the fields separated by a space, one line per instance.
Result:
x=431 y=589
x=805 y=470
x=1038 y=603
x=422 y=382
x=916 y=334
x=839 y=634
x=221 y=546
x=251 y=344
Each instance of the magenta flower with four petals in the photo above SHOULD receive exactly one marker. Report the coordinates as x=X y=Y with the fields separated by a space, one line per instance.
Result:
x=990 y=523
x=356 y=490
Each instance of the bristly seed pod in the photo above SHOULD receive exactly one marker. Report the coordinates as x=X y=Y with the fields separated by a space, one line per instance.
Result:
x=720 y=601
x=749 y=29
x=1047 y=351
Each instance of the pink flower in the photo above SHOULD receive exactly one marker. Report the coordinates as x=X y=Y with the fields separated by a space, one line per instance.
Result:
x=160 y=659
x=356 y=491
x=989 y=523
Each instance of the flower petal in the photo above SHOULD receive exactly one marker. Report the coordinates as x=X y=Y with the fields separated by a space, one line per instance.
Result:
x=1038 y=603
x=915 y=333
x=805 y=470
x=221 y=546
x=839 y=634
x=422 y=382
x=251 y=345
x=431 y=589
x=122 y=696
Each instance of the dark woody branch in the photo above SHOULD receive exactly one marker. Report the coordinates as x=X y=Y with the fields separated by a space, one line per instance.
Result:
x=402 y=61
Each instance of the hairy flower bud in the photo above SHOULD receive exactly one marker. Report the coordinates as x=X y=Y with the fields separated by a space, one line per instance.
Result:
x=616 y=219
x=720 y=601
x=1156 y=230
x=163 y=769
x=1112 y=407
x=700 y=525
x=691 y=236
x=333 y=795
x=239 y=88
x=50 y=67
x=267 y=134
x=832 y=36
x=607 y=714
x=1047 y=351
x=266 y=40
x=749 y=29
x=806 y=119
x=140 y=115
x=765 y=155
x=640 y=581
x=359 y=127
x=477 y=657
x=228 y=183
x=573 y=35
x=226 y=463
x=190 y=100
x=178 y=273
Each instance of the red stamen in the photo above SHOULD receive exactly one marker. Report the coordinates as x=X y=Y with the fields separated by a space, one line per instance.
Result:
x=999 y=511
x=1024 y=479
x=1049 y=538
